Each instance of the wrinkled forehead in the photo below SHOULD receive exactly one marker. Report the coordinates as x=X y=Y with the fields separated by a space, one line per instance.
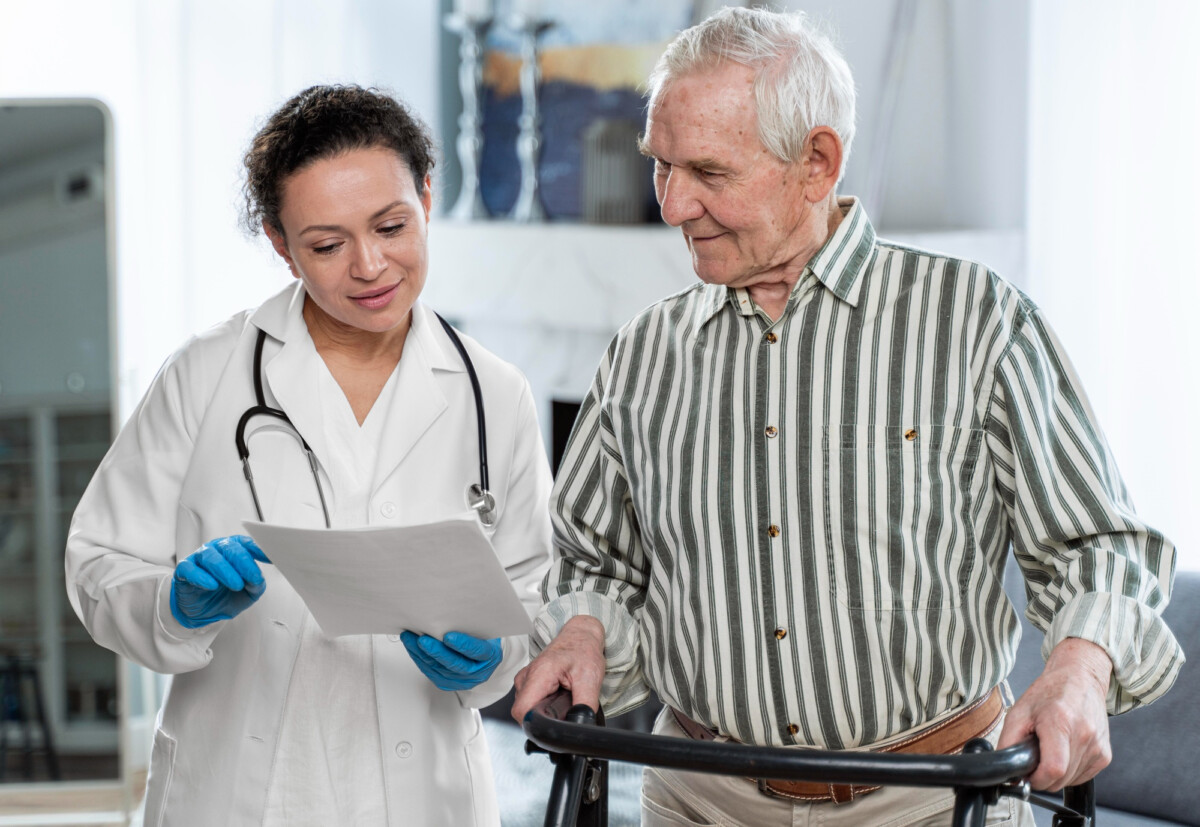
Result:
x=712 y=105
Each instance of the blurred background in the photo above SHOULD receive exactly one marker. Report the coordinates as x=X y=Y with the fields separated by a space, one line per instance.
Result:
x=1054 y=140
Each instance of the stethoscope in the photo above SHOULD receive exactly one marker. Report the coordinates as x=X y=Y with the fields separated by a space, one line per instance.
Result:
x=479 y=497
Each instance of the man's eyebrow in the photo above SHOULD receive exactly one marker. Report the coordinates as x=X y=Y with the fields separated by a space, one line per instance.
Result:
x=643 y=147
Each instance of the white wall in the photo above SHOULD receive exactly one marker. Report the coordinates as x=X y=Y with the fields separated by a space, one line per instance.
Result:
x=957 y=152
x=187 y=83
x=1113 y=212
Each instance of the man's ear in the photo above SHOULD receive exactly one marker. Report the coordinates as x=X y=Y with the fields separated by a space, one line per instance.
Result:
x=280 y=245
x=822 y=162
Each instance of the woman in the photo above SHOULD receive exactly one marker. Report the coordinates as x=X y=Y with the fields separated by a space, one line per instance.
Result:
x=269 y=721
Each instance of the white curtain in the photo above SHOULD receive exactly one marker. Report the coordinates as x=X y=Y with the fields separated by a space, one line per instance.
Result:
x=1114 y=209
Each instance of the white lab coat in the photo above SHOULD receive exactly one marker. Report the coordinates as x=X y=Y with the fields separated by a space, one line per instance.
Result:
x=173 y=481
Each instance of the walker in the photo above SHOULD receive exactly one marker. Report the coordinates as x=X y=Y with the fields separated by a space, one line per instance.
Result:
x=580 y=747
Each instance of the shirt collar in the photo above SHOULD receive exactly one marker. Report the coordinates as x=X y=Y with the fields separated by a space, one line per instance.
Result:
x=841 y=264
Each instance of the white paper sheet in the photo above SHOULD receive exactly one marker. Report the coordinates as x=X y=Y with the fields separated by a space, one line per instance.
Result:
x=429 y=579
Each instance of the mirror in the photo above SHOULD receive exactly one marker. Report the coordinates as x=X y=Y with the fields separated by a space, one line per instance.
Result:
x=59 y=706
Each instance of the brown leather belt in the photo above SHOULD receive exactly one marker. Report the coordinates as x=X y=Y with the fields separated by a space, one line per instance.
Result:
x=943 y=738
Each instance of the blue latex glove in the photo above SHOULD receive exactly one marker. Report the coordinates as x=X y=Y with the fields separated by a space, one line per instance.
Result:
x=457 y=661
x=217 y=581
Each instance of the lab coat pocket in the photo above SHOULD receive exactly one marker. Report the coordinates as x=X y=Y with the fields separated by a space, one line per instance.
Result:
x=158 y=784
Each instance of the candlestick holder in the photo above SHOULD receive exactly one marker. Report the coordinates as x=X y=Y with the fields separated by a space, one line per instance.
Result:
x=529 y=139
x=472 y=31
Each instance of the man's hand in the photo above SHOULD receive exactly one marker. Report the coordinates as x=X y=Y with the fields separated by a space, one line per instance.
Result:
x=1065 y=707
x=574 y=660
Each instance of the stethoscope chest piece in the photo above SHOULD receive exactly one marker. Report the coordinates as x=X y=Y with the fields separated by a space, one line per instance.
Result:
x=482 y=502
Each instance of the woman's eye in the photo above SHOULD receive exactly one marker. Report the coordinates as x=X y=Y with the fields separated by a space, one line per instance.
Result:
x=391 y=229
x=326 y=250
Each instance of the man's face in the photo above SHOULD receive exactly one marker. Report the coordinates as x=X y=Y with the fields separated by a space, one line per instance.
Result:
x=742 y=211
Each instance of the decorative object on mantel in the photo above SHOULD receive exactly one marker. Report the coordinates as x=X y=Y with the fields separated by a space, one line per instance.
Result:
x=529 y=140
x=615 y=175
x=470 y=20
x=593 y=64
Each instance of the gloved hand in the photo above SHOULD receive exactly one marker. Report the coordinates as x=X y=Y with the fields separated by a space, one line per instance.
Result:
x=217 y=581
x=457 y=661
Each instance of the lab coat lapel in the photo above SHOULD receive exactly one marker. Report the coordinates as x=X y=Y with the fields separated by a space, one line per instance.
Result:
x=291 y=379
x=418 y=400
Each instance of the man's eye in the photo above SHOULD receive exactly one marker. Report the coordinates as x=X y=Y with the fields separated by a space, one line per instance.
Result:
x=661 y=168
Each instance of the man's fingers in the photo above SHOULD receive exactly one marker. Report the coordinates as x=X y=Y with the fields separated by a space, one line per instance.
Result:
x=1054 y=764
x=1017 y=727
x=536 y=686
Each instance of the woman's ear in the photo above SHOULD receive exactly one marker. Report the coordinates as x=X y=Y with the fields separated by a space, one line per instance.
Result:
x=823 y=162
x=280 y=245
x=427 y=196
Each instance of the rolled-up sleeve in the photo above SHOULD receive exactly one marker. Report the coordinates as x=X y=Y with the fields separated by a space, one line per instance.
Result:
x=599 y=566
x=1092 y=568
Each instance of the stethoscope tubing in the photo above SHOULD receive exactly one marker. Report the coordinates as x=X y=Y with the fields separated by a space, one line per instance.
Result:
x=484 y=502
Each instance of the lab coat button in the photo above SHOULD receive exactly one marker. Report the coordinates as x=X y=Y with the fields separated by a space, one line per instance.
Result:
x=394 y=638
x=388 y=510
x=404 y=749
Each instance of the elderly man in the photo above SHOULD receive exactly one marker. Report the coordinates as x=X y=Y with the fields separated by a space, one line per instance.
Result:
x=791 y=490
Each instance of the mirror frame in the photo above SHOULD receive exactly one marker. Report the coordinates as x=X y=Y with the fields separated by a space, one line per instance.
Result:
x=70 y=796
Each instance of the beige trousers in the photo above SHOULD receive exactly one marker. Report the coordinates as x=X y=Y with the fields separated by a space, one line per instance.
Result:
x=685 y=799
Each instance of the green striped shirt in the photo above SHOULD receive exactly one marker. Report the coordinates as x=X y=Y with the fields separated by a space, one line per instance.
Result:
x=795 y=531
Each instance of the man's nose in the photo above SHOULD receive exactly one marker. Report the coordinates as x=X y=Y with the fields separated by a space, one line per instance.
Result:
x=678 y=199
x=369 y=261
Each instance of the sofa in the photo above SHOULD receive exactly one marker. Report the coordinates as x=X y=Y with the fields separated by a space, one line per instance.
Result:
x=1156 y=749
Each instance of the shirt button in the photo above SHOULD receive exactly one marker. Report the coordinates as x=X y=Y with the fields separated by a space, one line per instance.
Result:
x=780 y=633
x=388 y=510
x=910 y=434
x=404 y=749
x=772 y=432
x=771 y=337
x=792 y=729
x=773 y=530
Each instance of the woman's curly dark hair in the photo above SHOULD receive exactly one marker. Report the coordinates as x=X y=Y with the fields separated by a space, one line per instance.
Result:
x=320 y=122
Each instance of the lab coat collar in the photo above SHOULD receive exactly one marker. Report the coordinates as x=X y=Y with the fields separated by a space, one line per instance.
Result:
x=289 y=376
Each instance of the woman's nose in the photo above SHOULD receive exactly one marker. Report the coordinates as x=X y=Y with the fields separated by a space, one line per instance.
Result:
x=677 y=198
x=369 y=260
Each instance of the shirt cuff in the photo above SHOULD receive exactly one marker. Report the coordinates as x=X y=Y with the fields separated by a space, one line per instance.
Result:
x=1145 y=655
x=624 y=686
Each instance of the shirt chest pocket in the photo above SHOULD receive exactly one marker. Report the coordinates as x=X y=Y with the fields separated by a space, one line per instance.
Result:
x=898 y=507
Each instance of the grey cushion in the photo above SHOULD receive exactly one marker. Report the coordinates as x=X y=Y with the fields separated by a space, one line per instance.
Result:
x=1155 y=748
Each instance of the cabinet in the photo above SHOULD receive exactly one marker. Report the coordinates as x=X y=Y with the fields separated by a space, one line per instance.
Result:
x=48 y=453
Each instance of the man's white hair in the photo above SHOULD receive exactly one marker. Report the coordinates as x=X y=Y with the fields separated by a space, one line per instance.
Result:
x=801 y=79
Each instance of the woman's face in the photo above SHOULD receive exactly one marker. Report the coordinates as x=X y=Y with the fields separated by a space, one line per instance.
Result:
x=355 y=232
